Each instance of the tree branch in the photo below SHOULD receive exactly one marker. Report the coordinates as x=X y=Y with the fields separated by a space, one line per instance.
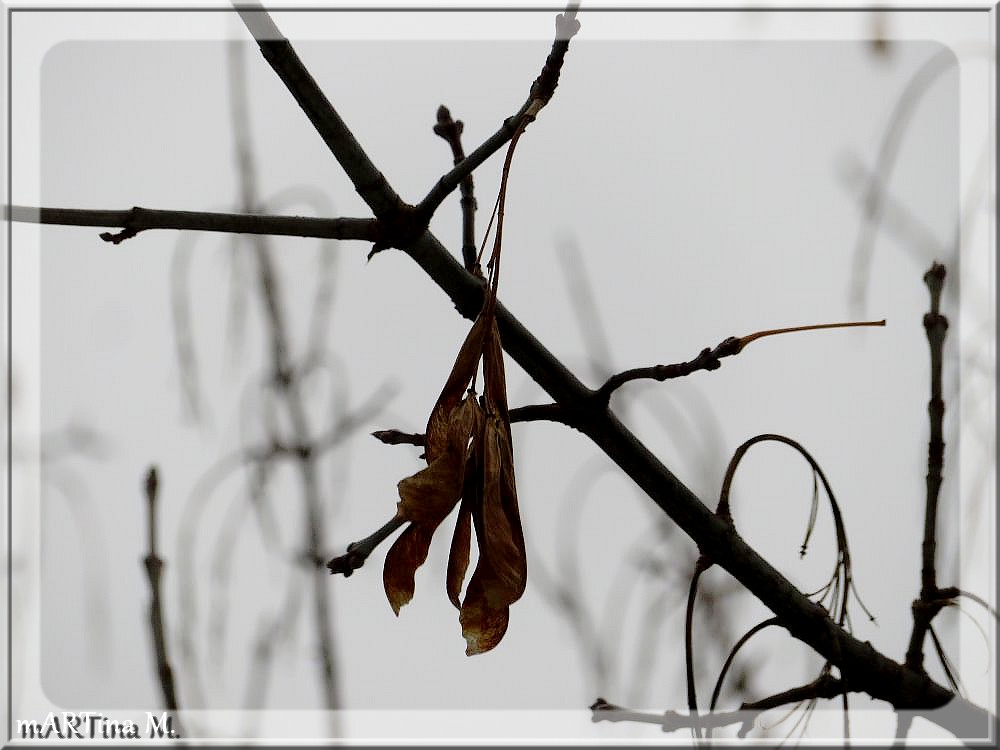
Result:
x=707 y=359
x=824 y=686
x=451 y=131
x=397 y=437
x=874 y=673
x=543 y=413
x=931 y=600
x=137 y=219
x=880 y=677
x=541 y=92
x=277 y=50
x=672 y=721
x=287 y=379
x=864 y=668
x=533 y=413
x=358 y=552
x=154 y=572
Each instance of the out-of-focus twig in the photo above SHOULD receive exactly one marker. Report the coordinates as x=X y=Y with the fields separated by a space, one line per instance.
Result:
x=154 y=571
x=287 y=383
x=892 y=139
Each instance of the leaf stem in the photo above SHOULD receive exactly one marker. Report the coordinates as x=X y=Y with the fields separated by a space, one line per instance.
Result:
x=775 y=331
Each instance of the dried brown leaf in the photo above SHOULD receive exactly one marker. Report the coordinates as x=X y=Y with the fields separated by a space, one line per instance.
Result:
x=493 y=374
x=454 y=389
x=483 y=618
x=458 y=557
x=407 y=554
x=425 y=499
x=502 y=543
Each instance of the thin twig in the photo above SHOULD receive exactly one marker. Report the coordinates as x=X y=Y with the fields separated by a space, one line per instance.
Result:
x=700 y=566
x=397 y=437
x=154 y=571
x=708 y=359
x=717 y=690
x=672 y=721
x=931 y=601
x=138 y=219
x=531 y=413
x=825 y=686
x=892 y=138
x=451 y=131
x=358 y=552
x=183 y=328
x=584 y=302
x=541 y=92
x=936 y=327
x=286 y=380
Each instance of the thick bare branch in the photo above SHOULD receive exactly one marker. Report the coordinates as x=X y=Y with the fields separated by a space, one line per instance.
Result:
x=368 y=180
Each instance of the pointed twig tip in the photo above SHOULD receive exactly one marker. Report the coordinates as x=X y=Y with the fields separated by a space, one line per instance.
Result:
x=775 y=331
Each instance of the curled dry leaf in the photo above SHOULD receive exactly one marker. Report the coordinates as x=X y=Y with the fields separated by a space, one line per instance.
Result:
x=470 y=462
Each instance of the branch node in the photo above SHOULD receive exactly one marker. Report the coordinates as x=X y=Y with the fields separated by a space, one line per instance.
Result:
x=400 y=227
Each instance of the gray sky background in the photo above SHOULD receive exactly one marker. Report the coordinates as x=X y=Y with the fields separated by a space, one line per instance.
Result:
x=705 y=186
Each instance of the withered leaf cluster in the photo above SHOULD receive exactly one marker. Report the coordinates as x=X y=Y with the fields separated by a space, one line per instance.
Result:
x=470 y=464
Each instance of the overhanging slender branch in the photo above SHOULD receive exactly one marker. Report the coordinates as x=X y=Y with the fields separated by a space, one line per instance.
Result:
x=138 y=219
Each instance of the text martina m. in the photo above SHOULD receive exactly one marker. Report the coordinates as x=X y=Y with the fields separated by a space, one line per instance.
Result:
x=91 y=725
